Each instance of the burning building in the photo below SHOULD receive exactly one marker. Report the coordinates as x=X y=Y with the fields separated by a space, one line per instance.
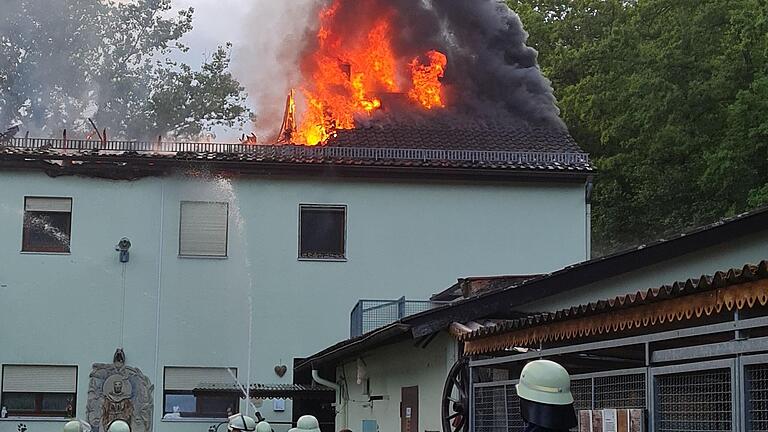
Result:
x=387 y=64
x=426 y=147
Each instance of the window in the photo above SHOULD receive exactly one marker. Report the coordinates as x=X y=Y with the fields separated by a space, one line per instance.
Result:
x=185 y=395
x=322 y=232
x=47 y=224
x=203 y=229
x=39 y=391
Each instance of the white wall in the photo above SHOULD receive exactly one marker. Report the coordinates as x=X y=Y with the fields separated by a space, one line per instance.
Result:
x=391 y=368
x=725 y=256
x=403 y=239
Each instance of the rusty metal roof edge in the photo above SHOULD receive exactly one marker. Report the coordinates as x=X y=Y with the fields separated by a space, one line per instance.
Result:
x=720 y=279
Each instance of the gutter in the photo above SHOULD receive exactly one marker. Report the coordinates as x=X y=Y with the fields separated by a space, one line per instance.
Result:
x=341 y=403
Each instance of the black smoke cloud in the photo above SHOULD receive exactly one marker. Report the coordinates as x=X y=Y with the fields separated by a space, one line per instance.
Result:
x=491 y=75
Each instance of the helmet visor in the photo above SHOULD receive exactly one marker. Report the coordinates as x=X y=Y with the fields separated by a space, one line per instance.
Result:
x=557 y=417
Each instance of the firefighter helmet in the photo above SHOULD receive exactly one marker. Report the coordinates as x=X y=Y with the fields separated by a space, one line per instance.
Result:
x=240 y=422
x=545 y=395
x=308 y=423
x=119 y=426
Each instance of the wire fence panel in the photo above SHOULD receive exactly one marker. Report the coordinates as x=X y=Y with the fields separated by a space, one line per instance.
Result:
x=369 y=315
x=497 y=409
x=582 y=394
x=694 y=402
x=620 y=392
x=756 y=382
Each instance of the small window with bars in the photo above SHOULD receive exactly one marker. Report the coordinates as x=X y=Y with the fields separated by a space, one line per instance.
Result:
x=196 y=392
x=203 y=229
x=47 y=225
x=39 y=391
x=322 y=232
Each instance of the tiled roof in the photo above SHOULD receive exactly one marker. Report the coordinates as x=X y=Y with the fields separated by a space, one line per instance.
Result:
x=720 y=279
x=472 y=137
x=469 y=148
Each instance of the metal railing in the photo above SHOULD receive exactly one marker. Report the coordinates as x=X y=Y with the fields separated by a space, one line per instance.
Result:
x=297 y=151
x=368 y=315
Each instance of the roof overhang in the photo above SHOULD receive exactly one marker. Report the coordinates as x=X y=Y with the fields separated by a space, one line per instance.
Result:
x=270 y=391
x=352 y=347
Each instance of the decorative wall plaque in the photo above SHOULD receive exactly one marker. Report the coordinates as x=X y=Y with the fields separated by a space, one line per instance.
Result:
x=119 y=392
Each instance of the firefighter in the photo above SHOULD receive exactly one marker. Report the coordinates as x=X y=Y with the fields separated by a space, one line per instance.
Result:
x=546 y=402
x=240 y=422
x=263 y=426
x=119 y=426
x=74 y=426
x=307 y=423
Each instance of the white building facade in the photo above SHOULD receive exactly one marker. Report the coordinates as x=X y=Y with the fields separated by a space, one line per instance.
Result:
x=237 y=268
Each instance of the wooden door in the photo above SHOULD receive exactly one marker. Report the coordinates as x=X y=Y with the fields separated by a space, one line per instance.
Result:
x=409 y=409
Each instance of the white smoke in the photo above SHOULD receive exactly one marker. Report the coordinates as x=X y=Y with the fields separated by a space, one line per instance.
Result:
x=267 y=62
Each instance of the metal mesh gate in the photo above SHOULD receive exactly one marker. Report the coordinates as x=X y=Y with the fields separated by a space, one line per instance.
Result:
x=582 y=394
x=756 y=382
x=620 y=391
x=694 y=401
x=497 y=409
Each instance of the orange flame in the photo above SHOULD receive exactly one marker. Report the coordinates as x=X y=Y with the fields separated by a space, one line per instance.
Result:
x=426 y=80
x=349 y=75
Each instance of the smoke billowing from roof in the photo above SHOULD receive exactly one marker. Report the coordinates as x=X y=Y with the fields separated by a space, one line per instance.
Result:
x=491 y=73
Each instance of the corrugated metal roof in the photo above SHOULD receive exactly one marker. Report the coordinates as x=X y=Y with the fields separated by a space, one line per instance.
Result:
x=720 y=279
x=269 y=391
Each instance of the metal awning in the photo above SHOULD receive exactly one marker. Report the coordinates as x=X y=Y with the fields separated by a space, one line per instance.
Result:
x=271 y=391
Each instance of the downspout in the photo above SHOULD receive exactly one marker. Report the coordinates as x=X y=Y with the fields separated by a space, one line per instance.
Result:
x=588 y=217
x=340 y=402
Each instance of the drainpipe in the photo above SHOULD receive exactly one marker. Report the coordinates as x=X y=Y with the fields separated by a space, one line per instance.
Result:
x=588 y=217
x=340 y=403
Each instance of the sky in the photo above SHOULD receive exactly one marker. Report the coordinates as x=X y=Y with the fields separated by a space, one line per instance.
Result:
x=215 y=23
x=266 y=37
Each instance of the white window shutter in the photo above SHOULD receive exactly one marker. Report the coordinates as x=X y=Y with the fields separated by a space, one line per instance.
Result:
x=59 y=205
x=190 y=378
x=203 y=229
x=39 y=379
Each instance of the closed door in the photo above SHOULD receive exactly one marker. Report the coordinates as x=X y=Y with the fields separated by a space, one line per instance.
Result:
x=409 y=409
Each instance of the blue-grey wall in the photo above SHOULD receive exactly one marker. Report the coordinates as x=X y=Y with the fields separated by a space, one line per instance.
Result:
x=404 y=238
x=725 y=256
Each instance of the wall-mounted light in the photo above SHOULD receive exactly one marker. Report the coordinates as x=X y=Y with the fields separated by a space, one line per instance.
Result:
x=123 y=247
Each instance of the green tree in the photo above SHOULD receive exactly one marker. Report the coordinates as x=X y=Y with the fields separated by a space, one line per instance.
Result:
x=669 y=98
x=62 y=61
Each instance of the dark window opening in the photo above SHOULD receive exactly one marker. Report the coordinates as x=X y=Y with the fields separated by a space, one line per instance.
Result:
x=47 y=225
x=39 y=404
x=185 y=404
x=322 y=232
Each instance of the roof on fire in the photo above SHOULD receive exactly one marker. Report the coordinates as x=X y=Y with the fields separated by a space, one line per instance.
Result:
x=495 y=310
x=493 y=151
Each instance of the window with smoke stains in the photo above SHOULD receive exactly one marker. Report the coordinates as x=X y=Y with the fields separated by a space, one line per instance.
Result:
x=322 y=232
x=47 y=225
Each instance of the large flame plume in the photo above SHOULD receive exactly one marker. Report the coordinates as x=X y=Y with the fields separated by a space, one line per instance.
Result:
x=385 y=63
x=350 y=71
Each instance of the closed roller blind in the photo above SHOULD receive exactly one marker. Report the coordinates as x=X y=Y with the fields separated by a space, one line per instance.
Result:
x=203 y=229
x=189 y=378
x=61 y=205
x=40 y=379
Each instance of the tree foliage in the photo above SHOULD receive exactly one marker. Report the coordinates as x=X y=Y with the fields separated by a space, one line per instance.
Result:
x=671 y=99
x=62 y=61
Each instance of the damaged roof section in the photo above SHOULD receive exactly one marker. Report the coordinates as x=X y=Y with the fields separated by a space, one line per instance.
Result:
x=408 y=148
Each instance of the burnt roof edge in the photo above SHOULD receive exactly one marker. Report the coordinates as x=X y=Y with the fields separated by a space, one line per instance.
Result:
x=136 y=168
